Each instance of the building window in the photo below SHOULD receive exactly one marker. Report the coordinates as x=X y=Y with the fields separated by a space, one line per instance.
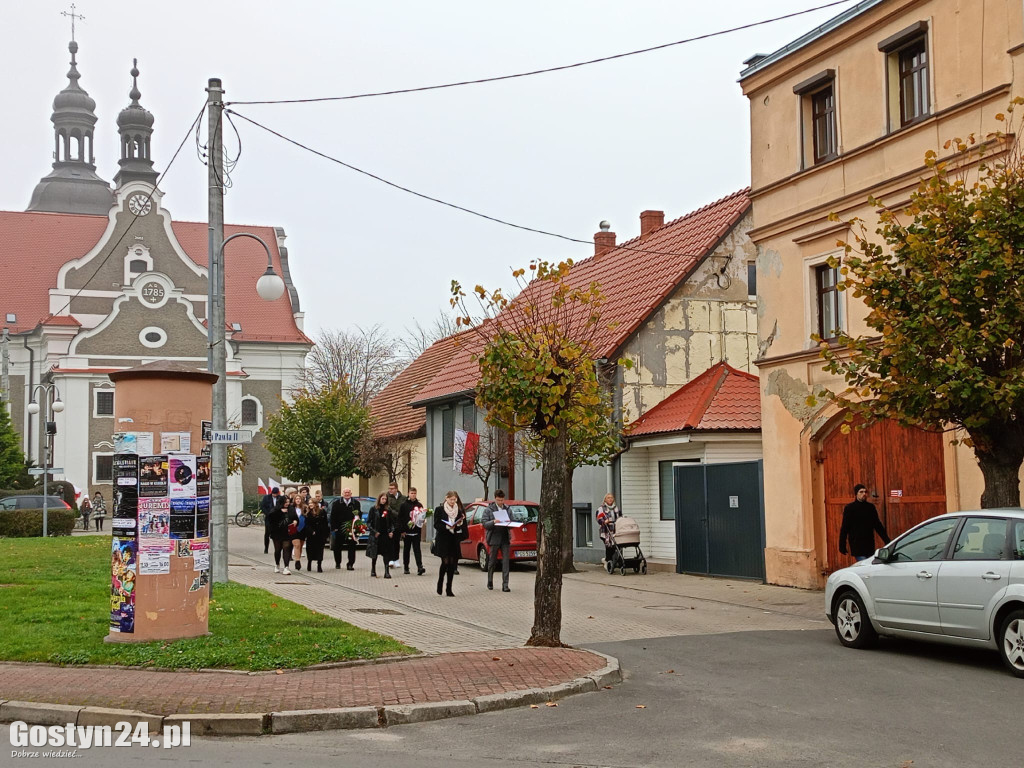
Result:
x=829 y=316
x=823 y=124
x=103 y=402
x=102 y=468
x=584 y=528
x=913 y=68
x=447 y=433
x=751 y=280
x=666 y=490
x=251 y=412
x=469 y=417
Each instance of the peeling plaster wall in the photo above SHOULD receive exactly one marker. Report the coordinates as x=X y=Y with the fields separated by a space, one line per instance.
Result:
x=710 y=318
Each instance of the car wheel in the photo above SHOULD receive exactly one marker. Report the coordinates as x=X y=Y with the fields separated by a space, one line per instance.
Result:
x=1011 y=642
x=481 y=557
x=853 y=627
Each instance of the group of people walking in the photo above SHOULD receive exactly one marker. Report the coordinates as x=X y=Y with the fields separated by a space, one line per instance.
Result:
x=96 y=508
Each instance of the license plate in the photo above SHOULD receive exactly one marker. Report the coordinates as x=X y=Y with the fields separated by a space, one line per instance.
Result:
x=526 y=553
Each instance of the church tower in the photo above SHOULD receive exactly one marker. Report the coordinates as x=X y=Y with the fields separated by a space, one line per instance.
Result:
x=73 y=186
x=135 y=125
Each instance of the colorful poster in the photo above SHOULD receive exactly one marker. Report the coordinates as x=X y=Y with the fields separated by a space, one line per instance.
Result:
x=203 y=516
x=182 y=473
x=125 y=442
x=202 y=476
x=125 y=468
x=183 y=548
x=175 y=442
x=124 y=570
x=155 y=518
x=183 y=518
x=201 y=554
x=152 y=476
x=154 y=557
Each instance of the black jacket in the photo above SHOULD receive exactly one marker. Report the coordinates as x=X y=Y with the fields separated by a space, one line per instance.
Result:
x=405 y=516
x=381 y=523
x=448 y=540
x=267 y=504
x=860 y=522
x=277 y=524
x=316 y=536
x=342 y=513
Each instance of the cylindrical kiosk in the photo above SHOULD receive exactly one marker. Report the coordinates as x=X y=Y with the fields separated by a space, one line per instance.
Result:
x=160 y=550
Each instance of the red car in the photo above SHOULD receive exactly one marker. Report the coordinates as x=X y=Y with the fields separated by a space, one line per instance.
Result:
x=523 y=540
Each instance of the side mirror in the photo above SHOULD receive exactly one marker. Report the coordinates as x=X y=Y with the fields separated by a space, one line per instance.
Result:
x=883 y=555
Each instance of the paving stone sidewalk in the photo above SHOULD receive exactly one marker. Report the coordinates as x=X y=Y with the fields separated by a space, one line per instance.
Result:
x=448 y=677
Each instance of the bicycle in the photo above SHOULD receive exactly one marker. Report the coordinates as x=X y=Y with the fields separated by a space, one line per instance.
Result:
x=245 y=518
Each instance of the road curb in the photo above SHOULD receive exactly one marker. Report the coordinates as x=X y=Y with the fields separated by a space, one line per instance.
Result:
x=299 y=721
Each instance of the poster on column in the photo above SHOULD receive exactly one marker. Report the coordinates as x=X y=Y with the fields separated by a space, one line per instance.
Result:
x=182 y=472
x=152 y=476
x=175 y=442
x=155 y=518
x=155 y=556
x=201 y=554
x=123 y=572
x=183 y=518
x=202 y=475
x=125 y=471
x=203 y=516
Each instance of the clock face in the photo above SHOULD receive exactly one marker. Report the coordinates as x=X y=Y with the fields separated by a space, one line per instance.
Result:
x=140 y=205
x=152 y=293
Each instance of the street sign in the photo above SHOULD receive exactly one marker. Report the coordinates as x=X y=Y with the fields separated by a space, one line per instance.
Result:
x=51 y=471
x=231 y=436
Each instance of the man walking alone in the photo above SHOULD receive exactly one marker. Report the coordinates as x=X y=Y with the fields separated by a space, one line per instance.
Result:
x=495 y=519
x=860 y=523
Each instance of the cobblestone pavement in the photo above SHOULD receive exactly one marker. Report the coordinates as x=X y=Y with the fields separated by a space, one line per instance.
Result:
x=596 y=607
x=449 y=677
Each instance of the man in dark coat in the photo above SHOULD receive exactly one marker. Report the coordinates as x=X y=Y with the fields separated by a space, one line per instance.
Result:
x=344 y=510
x=497 y=539
x=268 y=504
x=860 y=523
x=411 y=532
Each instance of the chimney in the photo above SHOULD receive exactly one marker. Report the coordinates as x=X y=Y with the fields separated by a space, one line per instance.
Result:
x=650 y=221
x=604 y=240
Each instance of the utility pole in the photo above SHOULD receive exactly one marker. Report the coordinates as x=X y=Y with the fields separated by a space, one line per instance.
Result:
x=215 y=326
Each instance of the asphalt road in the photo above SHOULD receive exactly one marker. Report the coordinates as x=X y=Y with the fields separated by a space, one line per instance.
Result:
x=761 y=699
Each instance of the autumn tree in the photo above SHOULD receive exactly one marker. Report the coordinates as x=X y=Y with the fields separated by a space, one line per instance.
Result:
x=944 y=288
x=315 y=437
x=536 y=373
x=376 y=455
x=363 y=358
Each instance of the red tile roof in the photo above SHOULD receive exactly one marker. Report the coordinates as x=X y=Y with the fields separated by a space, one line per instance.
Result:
x=636 y=277
x=721 y=398
x=47 y=241
x=61 y=320
x=393 y=418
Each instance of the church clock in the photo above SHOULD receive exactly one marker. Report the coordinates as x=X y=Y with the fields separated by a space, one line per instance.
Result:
x=140 y=204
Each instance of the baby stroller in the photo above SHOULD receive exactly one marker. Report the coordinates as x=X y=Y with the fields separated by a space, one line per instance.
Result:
x=624 y=537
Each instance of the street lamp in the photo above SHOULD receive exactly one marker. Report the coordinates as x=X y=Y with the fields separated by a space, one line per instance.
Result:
x=270 y=287
x=51 y=399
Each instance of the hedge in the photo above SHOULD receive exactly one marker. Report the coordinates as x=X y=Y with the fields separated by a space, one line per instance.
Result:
x=23 y=523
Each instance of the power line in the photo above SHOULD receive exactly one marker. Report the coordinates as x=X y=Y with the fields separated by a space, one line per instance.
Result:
x=439 y=201
x=135 y=218
x=547 y=70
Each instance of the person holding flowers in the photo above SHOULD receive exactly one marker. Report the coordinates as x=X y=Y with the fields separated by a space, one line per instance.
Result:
x=411 y=520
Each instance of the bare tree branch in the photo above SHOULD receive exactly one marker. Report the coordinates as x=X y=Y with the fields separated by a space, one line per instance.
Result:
x=364 y=358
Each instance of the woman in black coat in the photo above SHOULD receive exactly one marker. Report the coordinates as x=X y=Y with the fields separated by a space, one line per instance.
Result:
x=277 y=524
x=383 y=525
x=317 y=533
x=449 y=531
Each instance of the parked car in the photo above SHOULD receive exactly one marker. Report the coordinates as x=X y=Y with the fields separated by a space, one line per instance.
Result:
x=956 y=579
x=33 y=502
x=523 y=540
x=365 y=502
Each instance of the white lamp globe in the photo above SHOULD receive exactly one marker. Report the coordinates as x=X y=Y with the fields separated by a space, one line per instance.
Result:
x=270 y=286
x=33 y=407
x=58 y=406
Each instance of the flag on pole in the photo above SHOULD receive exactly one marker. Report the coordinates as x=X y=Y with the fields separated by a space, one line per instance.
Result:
x=469 y=454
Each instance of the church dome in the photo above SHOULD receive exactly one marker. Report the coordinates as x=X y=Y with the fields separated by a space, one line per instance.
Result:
x=135 y=115
x=73 y=100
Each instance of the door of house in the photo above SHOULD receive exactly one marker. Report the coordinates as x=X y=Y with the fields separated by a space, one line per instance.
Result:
x=902 y=467
x=720 y=519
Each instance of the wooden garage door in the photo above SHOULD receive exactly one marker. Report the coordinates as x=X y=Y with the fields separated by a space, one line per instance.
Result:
x=902 y=468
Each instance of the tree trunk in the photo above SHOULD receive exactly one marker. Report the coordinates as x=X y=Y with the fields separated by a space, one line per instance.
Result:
x=327 y=486
x=1000 y=452
x=547 y=593
x=568 y=542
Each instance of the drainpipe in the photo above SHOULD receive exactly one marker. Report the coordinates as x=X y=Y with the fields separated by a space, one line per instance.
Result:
x=31 y=384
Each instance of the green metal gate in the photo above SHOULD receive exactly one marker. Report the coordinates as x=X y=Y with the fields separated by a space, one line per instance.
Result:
x=720 y=519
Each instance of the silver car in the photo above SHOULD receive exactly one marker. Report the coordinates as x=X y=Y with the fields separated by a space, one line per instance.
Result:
x=957 y=579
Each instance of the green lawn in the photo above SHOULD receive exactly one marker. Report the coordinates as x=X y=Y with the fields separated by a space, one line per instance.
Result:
x=55 y=607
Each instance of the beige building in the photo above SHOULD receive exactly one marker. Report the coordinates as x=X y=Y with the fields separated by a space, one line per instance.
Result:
x=846 y=112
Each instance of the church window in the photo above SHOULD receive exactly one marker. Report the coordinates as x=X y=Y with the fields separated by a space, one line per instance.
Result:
x=104 y=402
x=152 y=337
x=138 y=266
x=252 y=412
x=102 y=468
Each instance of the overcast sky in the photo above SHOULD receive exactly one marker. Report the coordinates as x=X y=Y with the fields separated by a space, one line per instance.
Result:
x=665 y=130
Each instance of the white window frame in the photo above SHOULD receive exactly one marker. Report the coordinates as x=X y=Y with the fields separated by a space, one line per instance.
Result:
x=259 y=412
x=140 y=253
x=96 y=481
x=96 y=401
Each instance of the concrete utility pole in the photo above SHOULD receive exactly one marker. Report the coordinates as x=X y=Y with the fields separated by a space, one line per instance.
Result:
x=215 y=326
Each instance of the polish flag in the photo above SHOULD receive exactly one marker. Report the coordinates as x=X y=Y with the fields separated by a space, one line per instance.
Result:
x=273 y=484
x=261 y=489
x=469 y=452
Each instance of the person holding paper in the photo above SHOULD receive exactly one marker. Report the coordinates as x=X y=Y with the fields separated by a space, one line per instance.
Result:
x=449 y=532
x=495 y=521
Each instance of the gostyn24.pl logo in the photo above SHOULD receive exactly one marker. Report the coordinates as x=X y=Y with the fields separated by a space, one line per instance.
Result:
x=69 y=735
